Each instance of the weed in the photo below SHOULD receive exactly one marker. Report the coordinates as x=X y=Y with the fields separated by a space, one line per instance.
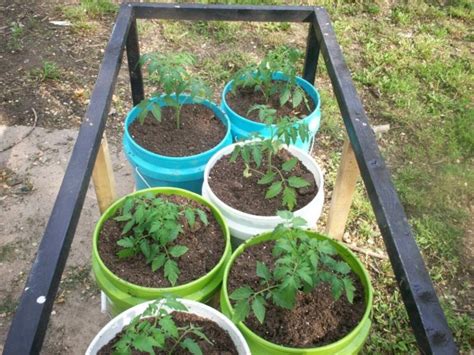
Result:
x=47 y=71
x=301 y=264
x=17 y=31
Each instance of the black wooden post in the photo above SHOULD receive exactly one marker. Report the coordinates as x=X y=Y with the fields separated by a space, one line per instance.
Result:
x=312 y=55
x=133 y=57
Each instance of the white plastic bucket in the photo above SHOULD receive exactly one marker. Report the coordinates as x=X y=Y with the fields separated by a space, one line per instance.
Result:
x=244 y=225
x=116 y=325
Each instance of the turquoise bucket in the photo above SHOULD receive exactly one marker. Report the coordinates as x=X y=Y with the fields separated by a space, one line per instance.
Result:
x=153 y=170
x=243 y=127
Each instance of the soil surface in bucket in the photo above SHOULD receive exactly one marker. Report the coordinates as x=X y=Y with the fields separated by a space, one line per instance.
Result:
x=200 y=130
x=205 y=244
x=229 y=184
x=222 y=343
x=243 y=99
x=315 y=321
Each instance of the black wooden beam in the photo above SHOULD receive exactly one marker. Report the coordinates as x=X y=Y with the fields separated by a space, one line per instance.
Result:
x=312 y=54
x=426 y=316
x=31 y=318
x=200 y=12
x=133 y=58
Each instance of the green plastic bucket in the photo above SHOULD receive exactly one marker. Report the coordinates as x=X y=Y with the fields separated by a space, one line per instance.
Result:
x=122 y=294
x=349 y=344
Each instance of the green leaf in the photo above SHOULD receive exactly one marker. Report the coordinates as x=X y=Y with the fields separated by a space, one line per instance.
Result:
x=143 y=343
x=305 y=276
x=169 y=326
x=342 y=267
x=140 y=214
x=285 y=215
x=142 y=115
x=123 y=218
x=145 y=248
x=274 y=190
x=336 y=287
x=191 y=346
x=297 y=98
x=349 y=288
x=263 y=271
x=289 y=197
x=257 y=155
x=126 y=253
x=258 y=308
x=171 y=271
x=235 y=153
x=241 y=311
x=173 y=303
x=178 y=250
x=326 y=248
x=200 y=334
x=190 y=217
x=155 y=226
x=241 y=293
x=126 y=242
x=246 y=153
x=267 y=178
x=202 y=216
x=156 y=111
x=158 y=262
x=280 y=299
x=297 y=182
x=289 y=164
x=303 y=132
x=285 y=96
x=128 y=226
x=299 y=222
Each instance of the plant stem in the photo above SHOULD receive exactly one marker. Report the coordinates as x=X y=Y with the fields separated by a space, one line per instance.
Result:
x=178 y=116
x=186 y=332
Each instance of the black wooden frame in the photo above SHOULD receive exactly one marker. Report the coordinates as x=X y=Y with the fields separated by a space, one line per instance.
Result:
x=30 y=321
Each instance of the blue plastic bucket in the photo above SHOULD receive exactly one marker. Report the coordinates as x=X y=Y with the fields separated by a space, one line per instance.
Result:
x=152 y=170
x=243 y=127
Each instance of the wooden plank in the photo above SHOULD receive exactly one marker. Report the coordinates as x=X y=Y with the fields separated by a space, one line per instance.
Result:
x=344 y=188
x=103 y=177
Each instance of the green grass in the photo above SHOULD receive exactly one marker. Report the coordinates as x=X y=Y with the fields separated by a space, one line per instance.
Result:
x=47 y=71
x=81 y=15
x=17 y=32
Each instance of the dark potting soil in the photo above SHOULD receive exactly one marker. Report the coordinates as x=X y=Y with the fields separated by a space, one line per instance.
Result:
x=227 y=181
x=316 y=319
x=243 y=99
x=206 y=245
x=222 y=343
x=200 y=130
